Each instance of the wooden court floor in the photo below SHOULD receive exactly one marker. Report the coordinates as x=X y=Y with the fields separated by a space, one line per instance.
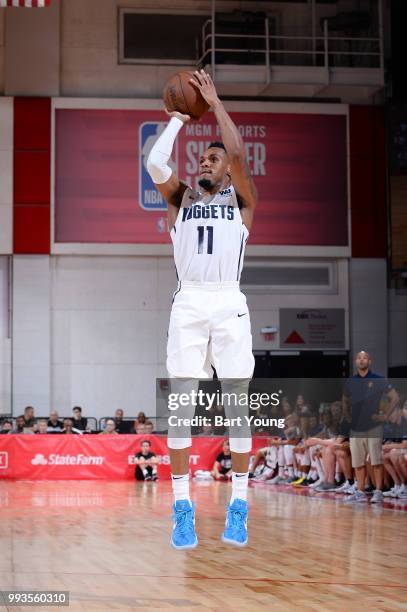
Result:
x=108 y=544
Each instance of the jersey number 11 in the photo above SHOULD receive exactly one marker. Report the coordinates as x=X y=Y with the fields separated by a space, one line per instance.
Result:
x=201 y=238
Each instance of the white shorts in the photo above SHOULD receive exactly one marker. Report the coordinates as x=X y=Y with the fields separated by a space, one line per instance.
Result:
x=209 y=325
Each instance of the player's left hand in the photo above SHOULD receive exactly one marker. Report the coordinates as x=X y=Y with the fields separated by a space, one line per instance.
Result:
x=202 y=81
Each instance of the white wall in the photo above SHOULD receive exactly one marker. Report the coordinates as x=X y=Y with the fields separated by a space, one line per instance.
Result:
x=31 y=333
x=5 y=339
x=368 y=310
x=92 y=331
x=264 y=309
x=109 y=328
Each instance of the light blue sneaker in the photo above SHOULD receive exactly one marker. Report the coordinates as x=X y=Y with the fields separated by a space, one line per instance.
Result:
x=236 y=523
x=183 y=535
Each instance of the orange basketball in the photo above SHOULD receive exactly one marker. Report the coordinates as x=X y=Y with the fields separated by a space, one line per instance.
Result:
x=179 y=95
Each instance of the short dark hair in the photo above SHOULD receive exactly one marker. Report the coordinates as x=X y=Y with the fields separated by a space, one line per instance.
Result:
x=217 y=144
x=77 y=408
x=144 y=441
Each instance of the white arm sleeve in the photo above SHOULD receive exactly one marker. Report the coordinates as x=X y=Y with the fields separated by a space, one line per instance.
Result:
x=157 y=162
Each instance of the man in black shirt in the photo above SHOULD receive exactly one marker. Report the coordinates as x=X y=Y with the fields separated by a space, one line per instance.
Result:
x=54 y=424
x=29 y=418
x=146 y=463
x=122 y=426
x=78 y=421
x=222 y=468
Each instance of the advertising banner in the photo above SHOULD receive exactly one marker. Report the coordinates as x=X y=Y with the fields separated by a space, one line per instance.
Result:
x=104 y=194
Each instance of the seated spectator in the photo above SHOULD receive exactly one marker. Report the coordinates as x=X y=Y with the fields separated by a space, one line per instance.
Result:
x=78 y=422
x=54 y=424
x=395 y=458
x=222 y=468
x=42 y=426
x=148 y=427
x=69 y=428
x=29 y=419
x=286 y=406
x=6 y=427
x=121 y=426
x=266 y=460
x=139 y=423
x=146 y=463
x=21 y=426
x=110 y=427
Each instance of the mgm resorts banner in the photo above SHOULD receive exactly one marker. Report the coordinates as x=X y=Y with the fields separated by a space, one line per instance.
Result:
x=366 y=405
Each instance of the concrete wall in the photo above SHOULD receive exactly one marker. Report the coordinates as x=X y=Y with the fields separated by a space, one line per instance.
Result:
x=368 y=310
x=92 y=331
x=32 y=57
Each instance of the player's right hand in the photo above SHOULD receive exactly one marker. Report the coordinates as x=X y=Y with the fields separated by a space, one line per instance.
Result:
x=183 y=118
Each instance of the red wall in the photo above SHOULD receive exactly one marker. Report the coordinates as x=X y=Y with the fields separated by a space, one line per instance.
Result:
x=368 y=181
x=32 y=175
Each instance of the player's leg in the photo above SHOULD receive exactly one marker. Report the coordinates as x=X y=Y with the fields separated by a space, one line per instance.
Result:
x=188 y=337
x=234 y=362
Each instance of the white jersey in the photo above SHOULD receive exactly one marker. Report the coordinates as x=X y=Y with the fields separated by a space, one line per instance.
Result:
x=209 y=237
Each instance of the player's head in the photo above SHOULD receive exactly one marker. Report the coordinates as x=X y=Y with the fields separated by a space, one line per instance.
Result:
x=213 y=166
x=363 y=361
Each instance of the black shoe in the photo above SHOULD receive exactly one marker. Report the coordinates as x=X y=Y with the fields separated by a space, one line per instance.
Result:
x=307 y=482
x=154 y=478
x=147 y=478
x=251 y=475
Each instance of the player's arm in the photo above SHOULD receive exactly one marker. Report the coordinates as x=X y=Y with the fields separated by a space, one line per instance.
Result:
x=166 y=181
x=234 y=145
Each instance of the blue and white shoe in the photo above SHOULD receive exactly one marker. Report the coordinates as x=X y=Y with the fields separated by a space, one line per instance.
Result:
x=183 y=534
x=236 y=523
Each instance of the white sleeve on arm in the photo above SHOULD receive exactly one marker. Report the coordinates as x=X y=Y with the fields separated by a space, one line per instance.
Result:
x=157 y=162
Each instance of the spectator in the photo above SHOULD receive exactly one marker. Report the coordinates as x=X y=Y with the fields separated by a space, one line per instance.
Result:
x=110 y=427
x=21 y=426
x=42 y=426
x=139 y=423
x=146 y=463
x=29 y=419
x=78 y=422
x=54 y=424
x=363 y=394
x=286 y=406
x=148 y=427
x=6 y=427
x=222 y=468
x=69 y=428
x=122 y=426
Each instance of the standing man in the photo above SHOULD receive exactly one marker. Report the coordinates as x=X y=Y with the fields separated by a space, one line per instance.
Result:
x=210 y=322
x=363 y=395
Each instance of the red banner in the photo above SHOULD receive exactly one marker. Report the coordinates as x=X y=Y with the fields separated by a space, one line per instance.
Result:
x=106 y=457
x=104 y=194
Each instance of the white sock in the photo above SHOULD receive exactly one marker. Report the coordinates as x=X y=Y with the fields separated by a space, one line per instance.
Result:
x=281 y=472
x=180 y=486
x=239 y=486
x=290 y=471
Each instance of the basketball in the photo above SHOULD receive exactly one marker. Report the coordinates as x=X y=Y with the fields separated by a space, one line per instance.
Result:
x=179 y=95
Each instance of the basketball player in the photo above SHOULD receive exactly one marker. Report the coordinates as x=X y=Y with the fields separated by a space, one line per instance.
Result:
x=209 y=318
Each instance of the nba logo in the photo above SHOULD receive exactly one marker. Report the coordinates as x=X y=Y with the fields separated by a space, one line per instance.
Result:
x=3 y=460
x=149 y=197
